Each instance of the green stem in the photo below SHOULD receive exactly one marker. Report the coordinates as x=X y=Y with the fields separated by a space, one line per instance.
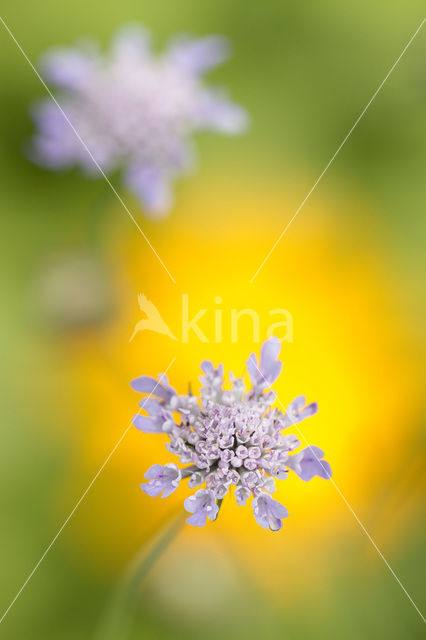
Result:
x=117 y=621
x=95 y=220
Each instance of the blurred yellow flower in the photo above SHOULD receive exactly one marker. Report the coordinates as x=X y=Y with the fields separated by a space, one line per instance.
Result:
x=351 y=352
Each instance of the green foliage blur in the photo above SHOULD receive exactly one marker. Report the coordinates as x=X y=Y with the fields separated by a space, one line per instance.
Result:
x=304 y=71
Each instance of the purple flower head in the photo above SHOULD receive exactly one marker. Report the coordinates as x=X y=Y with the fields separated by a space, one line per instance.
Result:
x=162 y=479
x=135 y=111
x=228 y=439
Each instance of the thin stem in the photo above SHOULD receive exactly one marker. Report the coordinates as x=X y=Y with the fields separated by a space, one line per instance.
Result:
x=101 y=208
x=117 y=621
x=156 y=552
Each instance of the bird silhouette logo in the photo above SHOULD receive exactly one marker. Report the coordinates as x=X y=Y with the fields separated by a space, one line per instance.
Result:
x=153 y=320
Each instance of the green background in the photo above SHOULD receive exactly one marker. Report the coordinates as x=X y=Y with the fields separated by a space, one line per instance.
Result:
x=304 y=71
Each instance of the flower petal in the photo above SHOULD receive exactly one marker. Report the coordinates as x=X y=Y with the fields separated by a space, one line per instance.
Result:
x=269 y=366
x=268 y=512
x=147 y=425
x=307 y=464
x=218 y=113
x=151 y=186
x=131 y=42
x=151 y=489
x=70 y=69
x=199 y=519
x=146 y=384
x=198 y=55
x=253 y=369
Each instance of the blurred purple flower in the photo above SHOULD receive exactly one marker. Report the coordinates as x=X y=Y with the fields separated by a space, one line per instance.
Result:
x=135 y=111
x=229 y=438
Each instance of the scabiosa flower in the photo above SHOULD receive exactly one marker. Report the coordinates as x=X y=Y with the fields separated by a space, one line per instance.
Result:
x=134 y=110
x=229 y=439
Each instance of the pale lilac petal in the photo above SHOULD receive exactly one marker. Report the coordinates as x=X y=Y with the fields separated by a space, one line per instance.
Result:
x=260 y=513
x=203 y=505
x=199 y=519
x=270 y=351
x=263 y=375
x=275 y=524
x=297 y=404
x=268 y=512
x=146 y=384
x=209 y=370
x=217 y=113
x=151 y=406
x=161 y=417
x=260 y=510
x=207 y=367
x=190 y=504
x=242 y=495
x=278 y=510
x=54 y=146
x=151 y=490
x=198 y=55
x=253 y=369
x=50 y=154
x=153 y=471
x=162 y=479
x=165 y=383
x=70 y=69
x=308 y=463
x=269 y=366
x=131 y=42
x=168 y=491
x=147 y=425
x=212 y=383
x=151 y=186
x=326 y=470
x=309 y=411
x=297 y=411
x=49 y=119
